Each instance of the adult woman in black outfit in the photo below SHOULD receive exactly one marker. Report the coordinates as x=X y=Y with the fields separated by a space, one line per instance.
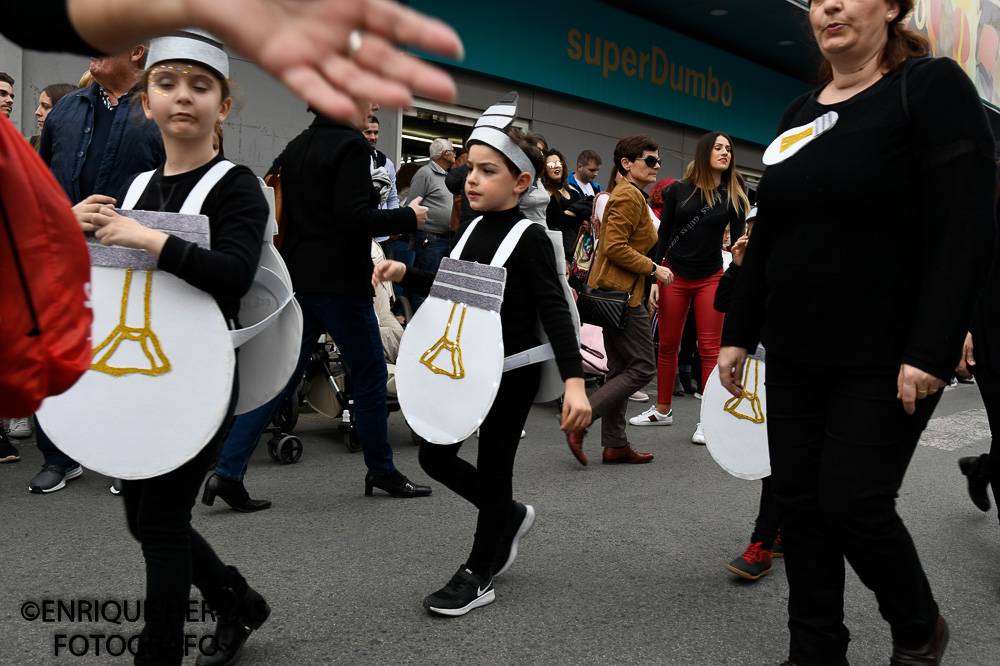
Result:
x=696 y=213
x=862 y=331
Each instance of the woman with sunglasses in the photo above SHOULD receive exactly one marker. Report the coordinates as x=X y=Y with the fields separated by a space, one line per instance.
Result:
x=696 y=212
x=621 y=264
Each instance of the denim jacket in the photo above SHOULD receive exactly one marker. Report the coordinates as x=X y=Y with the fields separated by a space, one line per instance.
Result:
x=134 y=144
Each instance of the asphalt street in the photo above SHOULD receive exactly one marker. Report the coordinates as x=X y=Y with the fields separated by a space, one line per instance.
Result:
x=625 y=564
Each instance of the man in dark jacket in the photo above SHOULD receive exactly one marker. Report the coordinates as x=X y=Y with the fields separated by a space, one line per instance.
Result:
x=329 y=215
x=94 y=140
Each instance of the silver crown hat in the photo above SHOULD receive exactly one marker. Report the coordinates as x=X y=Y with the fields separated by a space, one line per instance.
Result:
x=190 y=45
x=491 y=129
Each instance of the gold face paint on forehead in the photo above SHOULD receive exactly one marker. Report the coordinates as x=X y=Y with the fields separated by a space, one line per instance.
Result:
x=153 y=72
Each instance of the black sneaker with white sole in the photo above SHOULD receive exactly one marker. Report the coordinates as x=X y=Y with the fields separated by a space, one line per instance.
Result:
x=466 y=590
x=53 y=478
x=521 y=519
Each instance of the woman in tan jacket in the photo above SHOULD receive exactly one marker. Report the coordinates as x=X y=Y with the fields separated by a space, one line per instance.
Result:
x=621 y=264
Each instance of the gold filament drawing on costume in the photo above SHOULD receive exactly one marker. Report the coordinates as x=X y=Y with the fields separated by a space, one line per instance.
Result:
x=457 y=370
x=755 y=406
x=158 y=361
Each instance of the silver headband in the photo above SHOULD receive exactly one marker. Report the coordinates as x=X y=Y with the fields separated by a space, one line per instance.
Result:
x=190 y=45
x=491 y=130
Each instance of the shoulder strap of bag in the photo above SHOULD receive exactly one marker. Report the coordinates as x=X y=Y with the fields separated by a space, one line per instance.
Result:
x=136 y=189
x=192 y=205
x=510 y=241
x=456 y=252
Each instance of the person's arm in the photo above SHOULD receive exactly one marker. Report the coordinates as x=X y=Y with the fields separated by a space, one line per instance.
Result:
x=953 y=145
x=352 y=188
x=620 y=220
x=392 y=202
x=745 y=314
x=305 y=45
x=724 y=292
x=667 y=215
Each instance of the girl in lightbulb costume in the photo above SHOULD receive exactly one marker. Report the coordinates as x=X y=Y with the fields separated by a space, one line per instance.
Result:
x=186 y=92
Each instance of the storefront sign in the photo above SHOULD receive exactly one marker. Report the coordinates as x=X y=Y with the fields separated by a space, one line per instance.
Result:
x=595 y=52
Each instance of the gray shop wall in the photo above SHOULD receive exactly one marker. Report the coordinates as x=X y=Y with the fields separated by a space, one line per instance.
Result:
x=270 y=116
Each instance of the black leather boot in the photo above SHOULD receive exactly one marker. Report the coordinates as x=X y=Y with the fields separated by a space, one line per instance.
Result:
x=241 y=611
x=233 y=493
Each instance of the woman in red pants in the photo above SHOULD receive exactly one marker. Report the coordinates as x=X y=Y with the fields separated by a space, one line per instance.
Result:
x=696 y=212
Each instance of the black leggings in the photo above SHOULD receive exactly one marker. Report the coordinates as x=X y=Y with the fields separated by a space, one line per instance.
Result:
x=988 y=381
x=488 y=485
x=840 y=444
x=158 y=511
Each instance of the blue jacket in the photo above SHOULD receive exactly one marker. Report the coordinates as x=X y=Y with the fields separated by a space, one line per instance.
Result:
x=571 y=182
x=134 y=144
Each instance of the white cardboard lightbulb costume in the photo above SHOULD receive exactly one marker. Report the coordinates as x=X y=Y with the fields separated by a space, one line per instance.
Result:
x=451 y=358
x=164 y=358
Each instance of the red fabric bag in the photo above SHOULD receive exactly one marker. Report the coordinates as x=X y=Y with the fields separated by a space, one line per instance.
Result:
x=45 y=312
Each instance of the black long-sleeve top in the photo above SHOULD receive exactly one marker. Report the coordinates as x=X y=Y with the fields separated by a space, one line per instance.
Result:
x=724 y=292
x=22 y=25
x=330 y=210
x=532 y=291
x=237 y=215
x=698 y=251
x=872 y=243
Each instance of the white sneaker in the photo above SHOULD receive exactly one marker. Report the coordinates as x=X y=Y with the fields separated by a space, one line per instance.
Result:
x=699 y=436
x=651 y=417
x=19 y=428
x=639 y=396
x=697 y=395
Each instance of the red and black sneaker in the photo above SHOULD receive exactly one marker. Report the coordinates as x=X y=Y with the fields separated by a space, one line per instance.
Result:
x=753 y=563
x=777 y=550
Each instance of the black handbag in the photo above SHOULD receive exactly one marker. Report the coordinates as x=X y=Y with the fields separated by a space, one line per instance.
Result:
x=607 y=309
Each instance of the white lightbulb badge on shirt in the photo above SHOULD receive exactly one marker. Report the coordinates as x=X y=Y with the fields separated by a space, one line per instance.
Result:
x=798 y=138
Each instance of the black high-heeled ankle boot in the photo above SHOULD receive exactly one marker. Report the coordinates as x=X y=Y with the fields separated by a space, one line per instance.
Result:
x=241 y=611
x=233 y=493
x=396 y=484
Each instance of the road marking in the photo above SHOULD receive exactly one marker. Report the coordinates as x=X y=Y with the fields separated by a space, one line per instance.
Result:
x=950 y=433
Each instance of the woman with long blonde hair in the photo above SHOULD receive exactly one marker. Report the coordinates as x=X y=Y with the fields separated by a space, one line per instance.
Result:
x=693 y=221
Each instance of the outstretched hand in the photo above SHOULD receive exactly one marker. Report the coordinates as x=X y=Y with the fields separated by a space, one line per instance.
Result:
x=305 y=44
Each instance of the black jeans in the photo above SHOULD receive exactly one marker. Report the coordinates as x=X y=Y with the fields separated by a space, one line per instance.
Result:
x=988 y=381
x=488 y=485
x=158 y=511
x=840 y=444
